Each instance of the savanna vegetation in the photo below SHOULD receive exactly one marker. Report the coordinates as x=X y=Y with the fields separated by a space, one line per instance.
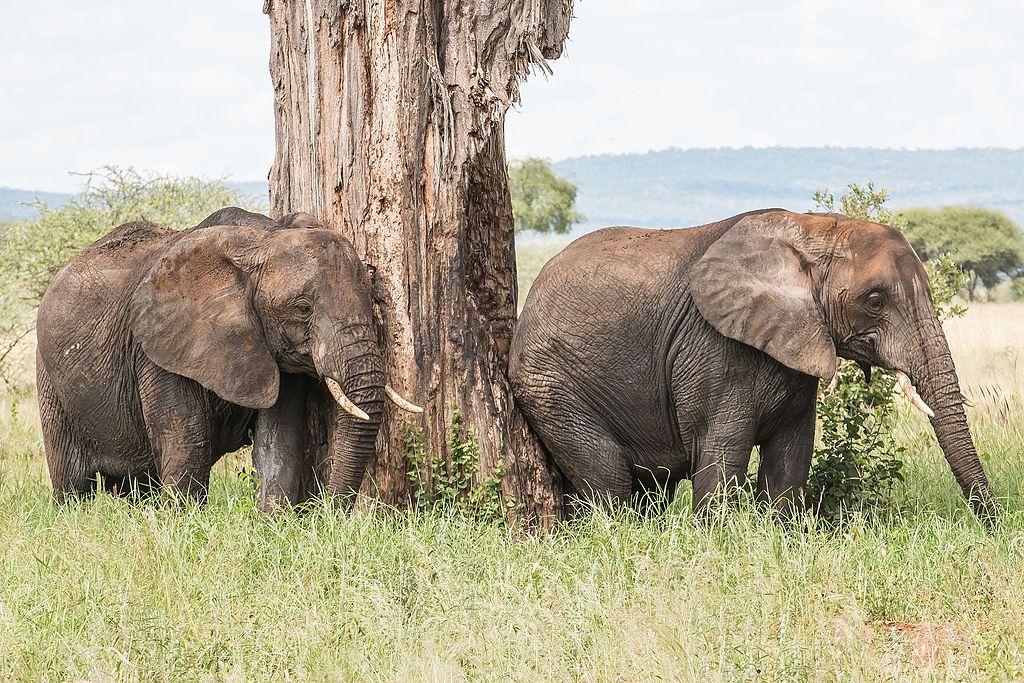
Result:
x=987 y=245
x=906 y=584
x=542 y=201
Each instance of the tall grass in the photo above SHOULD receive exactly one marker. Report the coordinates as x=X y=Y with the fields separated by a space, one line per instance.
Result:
x=106 y=590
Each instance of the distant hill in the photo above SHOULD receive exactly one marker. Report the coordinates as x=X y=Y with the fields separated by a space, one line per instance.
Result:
x=678 y=187
x=16 y=205
x=254 y=189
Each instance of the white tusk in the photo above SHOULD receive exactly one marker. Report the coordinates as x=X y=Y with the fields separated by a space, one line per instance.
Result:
x=344 y=401
x=908 y=388
x=401 y=402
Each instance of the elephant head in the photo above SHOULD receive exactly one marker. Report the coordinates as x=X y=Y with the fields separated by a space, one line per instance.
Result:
x=805 y=288
x=231 y=307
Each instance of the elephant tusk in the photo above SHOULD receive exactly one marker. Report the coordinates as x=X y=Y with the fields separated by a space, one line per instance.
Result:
x=397 y=399
x=344 y=401
x=908 y=388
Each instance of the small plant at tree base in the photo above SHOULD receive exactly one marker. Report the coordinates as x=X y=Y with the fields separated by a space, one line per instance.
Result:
x=857 y=463
x=436 y=483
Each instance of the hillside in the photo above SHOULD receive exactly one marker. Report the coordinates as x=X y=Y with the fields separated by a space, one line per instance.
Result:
x=677 y=187
x=17 y=205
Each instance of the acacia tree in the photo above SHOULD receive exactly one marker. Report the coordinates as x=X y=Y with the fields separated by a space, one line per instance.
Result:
x=390 y=127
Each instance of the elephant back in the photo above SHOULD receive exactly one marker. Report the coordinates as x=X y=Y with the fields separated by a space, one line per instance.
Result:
x=84 y=312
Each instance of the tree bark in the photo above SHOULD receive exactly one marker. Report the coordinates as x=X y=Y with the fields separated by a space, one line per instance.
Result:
x=390 y=128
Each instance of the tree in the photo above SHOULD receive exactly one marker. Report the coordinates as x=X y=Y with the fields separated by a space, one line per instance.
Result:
x=984 y=243
x=390 y=128
x=541 y=200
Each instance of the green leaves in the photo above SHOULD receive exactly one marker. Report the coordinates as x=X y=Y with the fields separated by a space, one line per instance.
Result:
x=857 y=462
x=454 y=485
x=984 y=243
x=541 y=201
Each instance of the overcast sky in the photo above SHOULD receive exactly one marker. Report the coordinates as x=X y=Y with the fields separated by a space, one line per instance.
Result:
x=183 y=86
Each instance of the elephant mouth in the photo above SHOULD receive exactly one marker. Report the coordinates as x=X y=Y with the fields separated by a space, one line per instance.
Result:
x=346 y=404
x=910 y=391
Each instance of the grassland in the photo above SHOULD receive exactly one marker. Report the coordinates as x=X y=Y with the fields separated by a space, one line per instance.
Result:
x=106 y=590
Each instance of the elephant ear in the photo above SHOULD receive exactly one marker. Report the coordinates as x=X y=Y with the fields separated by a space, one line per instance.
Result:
x=755 y=285
x=193 y=315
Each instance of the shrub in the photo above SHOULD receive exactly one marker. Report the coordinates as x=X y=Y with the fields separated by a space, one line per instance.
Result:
x=1017 y=288
x=454 y=485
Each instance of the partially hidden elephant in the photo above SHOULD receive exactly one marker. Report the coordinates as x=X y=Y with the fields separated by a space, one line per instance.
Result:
x=645 y=357
x=159 y=351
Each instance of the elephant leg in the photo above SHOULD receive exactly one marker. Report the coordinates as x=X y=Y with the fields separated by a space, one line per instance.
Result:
x=178 y=422
x=597 y=470
x=592 y=460
x=720 y=464
x=67 y=456
x=278 y=448
x=786 y=461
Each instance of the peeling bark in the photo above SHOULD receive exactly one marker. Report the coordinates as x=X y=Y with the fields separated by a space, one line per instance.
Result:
x=390 y=128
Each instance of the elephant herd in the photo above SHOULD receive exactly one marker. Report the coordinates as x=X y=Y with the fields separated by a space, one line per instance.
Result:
x=642 y=357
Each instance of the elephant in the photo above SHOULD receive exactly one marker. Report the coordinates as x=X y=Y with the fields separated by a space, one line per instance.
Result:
x=644 y=357
x=159 y=351
x=233 y=215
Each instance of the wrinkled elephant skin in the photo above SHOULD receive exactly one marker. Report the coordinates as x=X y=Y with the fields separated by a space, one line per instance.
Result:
x=160 y=351
x=644 y=357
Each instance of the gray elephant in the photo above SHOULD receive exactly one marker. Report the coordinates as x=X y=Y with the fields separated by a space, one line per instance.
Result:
x=160 y=351
x=644 y=357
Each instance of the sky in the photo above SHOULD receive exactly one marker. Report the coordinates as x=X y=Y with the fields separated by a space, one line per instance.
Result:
x=182 y=87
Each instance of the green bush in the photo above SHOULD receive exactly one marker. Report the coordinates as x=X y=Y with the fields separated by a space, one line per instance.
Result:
x=1017 y=288
x=453 y=485
x=857 y=462
x=987 y=245
x=541 y=200
x=32 y=252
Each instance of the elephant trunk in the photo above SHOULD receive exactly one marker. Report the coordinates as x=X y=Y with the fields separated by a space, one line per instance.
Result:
x=935 y=377
x=355 y=377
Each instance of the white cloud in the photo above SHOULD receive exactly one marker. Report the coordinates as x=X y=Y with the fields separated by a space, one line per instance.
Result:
x=183 y=87
x=804 y=72
x=177 y=87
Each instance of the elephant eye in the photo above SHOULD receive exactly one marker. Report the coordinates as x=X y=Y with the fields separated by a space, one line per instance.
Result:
x=875 y=301
x=304 y=307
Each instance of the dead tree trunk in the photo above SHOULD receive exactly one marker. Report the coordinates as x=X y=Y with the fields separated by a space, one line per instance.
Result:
x=390 y=127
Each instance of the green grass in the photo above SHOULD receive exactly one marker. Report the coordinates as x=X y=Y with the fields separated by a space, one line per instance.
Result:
x=108 y=590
